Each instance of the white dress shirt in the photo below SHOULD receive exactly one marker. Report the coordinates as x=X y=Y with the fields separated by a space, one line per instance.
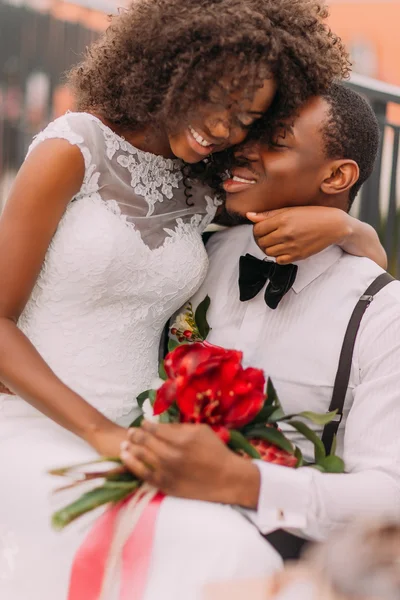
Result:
x=298 y=346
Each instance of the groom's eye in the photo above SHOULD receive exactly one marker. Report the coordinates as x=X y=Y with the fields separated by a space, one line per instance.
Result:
x=278 y=143
x=245 y=121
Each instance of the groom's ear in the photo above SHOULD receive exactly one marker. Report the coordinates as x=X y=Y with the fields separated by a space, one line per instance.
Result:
x=340 y=177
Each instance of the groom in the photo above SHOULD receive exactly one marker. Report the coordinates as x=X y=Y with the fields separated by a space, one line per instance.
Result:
x=296 y=338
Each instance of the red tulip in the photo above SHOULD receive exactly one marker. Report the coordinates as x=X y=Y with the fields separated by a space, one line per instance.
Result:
x=209 y=385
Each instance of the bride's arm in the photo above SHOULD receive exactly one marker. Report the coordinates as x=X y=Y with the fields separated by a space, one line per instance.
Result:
x=49 y=178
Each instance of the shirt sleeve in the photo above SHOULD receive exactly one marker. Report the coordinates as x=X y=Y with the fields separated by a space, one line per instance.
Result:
x=313 y=503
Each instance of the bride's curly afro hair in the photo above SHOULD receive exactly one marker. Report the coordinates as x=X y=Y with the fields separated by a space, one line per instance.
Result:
x=160 y=59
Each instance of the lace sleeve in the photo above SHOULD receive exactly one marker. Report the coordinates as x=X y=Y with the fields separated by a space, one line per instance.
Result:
x=79 y=130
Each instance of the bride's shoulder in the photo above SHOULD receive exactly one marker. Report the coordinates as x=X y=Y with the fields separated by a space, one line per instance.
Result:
x=78 y=128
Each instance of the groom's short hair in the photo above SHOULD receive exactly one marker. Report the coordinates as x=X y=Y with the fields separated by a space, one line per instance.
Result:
x=351 y=131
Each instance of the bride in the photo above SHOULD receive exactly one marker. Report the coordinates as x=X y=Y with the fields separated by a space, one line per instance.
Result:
x=100 y=243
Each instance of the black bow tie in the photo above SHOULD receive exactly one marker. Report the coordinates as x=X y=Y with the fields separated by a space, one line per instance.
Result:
x=254 y=273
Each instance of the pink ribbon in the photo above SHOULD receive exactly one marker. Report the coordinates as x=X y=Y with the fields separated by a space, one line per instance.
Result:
x=137 y=553
x=90 y=561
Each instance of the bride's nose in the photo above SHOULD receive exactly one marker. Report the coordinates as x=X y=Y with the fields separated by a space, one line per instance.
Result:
x=219 y=128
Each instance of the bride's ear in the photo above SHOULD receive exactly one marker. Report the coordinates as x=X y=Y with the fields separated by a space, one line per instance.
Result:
x=343 y=174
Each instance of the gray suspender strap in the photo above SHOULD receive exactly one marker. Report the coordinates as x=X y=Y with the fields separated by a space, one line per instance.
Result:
x=346 y=357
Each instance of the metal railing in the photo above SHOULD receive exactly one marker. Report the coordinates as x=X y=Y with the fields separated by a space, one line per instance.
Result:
x=379 y=203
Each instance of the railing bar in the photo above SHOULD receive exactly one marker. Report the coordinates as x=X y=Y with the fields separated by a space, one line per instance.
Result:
x=396 y=219
x=374 y=89
x=370 y=207
x=385 y=123
x=391 y=229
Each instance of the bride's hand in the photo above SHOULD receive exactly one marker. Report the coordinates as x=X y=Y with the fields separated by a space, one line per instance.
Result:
x=107 y=440
x=296 y=233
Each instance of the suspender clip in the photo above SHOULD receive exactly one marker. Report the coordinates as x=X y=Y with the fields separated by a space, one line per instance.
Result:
x=367 y=299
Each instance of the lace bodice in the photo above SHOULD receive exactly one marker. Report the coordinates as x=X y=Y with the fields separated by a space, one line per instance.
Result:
x=126 y=255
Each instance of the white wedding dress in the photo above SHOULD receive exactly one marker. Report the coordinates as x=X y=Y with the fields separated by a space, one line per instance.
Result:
x=126 y=255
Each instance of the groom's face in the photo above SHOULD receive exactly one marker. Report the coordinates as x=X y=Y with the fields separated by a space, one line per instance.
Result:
x=288 y=172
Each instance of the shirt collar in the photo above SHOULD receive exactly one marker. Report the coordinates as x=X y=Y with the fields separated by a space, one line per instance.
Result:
x=309 y=269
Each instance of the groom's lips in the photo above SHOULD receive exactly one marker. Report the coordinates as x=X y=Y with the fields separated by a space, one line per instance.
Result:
x=240 y=179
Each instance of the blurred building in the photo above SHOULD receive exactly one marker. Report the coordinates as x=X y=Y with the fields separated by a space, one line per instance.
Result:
x=370 y=29
x=39 y=41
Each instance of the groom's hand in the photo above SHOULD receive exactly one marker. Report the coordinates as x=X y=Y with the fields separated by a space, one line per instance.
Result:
x=190 y=461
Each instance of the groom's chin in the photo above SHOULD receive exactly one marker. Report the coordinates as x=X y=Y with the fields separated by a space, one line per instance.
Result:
x=229 y=218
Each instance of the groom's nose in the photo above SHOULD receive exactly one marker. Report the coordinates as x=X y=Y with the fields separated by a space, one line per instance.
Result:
x=249 y=151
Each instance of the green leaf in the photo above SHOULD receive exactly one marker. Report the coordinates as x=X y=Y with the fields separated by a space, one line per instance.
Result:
x=172 y=344
x=123 y=484
x=332 y=464
x=262 y=417
x=143 y=397
x=152 y=396
x=319 y=449
x=277 y=415
x=161 y=372
x=109 y=492
x=238 y=442
x=200 y=317
x=318 y=468
x=122 y=478
x=165 y=417
x=137 y=422
x=300 y=460
x=272 y=396
x=318 y=418
x=174 y=412
x=69 y=470
x=271 y=435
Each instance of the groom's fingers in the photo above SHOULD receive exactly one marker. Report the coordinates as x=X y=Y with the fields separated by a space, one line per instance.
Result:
x=167 y=456
x=139 y=461
x=163 y=431
x=139 y=436
x=173 y=434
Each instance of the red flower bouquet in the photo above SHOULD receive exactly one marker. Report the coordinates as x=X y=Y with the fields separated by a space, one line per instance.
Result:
x=207 y=384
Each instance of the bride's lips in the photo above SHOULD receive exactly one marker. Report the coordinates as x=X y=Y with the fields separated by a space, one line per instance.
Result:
x=196 y=145
x=239 y=180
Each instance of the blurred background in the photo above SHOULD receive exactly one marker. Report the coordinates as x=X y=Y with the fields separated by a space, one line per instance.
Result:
x=41 y=39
